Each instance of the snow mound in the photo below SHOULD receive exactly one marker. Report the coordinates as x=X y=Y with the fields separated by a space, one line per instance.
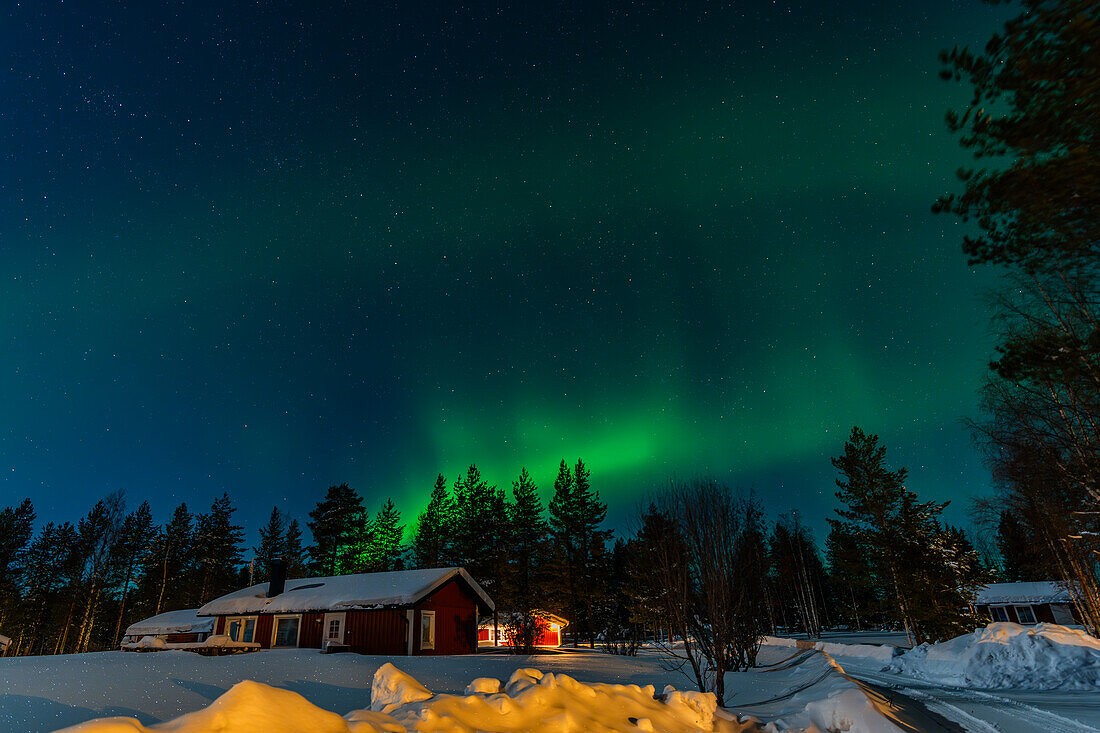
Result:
x=534 y=703
x=150 y=642
x=246 y=707
x=556 y=703
x=392 y=688
x=1005 y=655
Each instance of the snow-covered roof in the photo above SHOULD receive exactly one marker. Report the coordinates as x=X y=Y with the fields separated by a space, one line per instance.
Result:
x=1045 y=591
x=504 y=616
x=174 y=622
x=342 y=592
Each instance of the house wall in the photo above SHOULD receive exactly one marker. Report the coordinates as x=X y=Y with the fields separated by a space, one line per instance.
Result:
x=1051 y=613
x=455 y=608
x=376 y=631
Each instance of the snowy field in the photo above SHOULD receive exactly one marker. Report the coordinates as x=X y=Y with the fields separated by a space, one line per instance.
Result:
x=862 y=687
x=48 y=693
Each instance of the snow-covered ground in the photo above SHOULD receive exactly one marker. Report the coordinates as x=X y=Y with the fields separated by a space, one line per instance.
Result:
x=836 y=687
x=47 y=693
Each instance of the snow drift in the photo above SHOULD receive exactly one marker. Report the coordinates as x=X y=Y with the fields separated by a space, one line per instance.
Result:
x=1005 y=655
x=530 y=701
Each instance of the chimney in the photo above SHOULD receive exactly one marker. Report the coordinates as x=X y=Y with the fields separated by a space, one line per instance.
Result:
x=278 y=577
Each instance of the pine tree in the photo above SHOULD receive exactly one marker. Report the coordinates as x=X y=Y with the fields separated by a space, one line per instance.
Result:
x=338 y=524
x=432 y=544
x=16 y=532
x=134 y=542
x=798 y=573
x=1031 y=121
x=220 y=554
x=907 y=545
x=851 y=577
x=576 y=514
x=526 y=581
x=53 y=564
x=293 y=552
x=272 y=546
x=168 y=572
x=481 y=529
x=96 y=535
x=1022 y=558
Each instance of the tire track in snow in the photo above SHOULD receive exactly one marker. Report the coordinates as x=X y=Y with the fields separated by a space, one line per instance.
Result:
x=1030 y=718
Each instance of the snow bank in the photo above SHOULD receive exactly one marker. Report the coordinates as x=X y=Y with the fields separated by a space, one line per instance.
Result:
x=882 y=652
x=531 y=702
x=247 y=707
x=1005 y=655
x=808 y=691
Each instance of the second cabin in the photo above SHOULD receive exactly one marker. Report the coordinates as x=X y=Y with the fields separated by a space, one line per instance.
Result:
x=409 y=612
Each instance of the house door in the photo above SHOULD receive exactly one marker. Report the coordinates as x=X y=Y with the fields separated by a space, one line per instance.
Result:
x=334 y=629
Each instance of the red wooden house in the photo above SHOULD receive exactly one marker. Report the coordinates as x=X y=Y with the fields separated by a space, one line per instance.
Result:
x=490 y=634
x=399 y=613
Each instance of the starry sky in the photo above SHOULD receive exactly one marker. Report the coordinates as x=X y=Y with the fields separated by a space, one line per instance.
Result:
x=267 y=247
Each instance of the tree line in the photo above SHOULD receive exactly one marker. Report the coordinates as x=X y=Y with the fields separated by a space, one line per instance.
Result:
x=889 y=561
x=1030 y=200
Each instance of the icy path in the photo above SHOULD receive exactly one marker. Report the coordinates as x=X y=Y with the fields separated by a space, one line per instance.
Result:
x=979 y=711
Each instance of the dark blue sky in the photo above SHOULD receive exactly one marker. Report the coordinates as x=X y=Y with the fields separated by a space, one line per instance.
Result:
x=266 y=247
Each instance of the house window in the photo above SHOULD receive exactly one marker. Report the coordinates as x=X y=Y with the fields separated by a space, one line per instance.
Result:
x=334 y=628
x=427 y=629
x=1025 y=614
x=998 y=613
x=241 y=628
x=285 y=631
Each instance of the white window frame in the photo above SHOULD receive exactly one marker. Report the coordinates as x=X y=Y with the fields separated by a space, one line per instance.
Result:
x=275 y=629
x=1030 y=610
x=430 y=617
x=255 y=624
x=1002 y=609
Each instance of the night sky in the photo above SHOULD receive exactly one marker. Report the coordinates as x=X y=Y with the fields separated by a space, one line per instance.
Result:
x=267 y=247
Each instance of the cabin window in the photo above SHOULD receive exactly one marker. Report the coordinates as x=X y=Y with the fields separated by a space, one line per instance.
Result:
x=1025 y=614
x=285 y=631
x=334 y=628
x=427 y=629
x=998 y=613
x=241 y=628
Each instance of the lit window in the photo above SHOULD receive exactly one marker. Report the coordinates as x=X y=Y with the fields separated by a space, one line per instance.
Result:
x=1025 y=614
x=427 y=629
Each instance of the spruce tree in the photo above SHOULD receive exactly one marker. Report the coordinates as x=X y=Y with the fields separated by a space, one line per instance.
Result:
x=526 y=575
x=432 y=544
x=388 y=533
x=481 y=529
x=220 y=555
x=293 y=552
x=272 y=546
x=576 y=514
x=338 y=524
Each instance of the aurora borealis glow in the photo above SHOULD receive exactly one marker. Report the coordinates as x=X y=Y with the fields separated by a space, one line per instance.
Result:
x=265 y=248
